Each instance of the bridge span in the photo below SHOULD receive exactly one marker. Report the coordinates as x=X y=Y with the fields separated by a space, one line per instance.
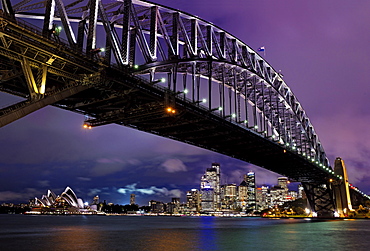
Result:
x=162 y=71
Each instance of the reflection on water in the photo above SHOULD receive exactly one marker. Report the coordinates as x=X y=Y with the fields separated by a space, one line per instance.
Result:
x=207 y=234
x=76 y=238
x=20 y=232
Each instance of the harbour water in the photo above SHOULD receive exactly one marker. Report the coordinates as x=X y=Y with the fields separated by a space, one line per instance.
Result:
x=78 y=232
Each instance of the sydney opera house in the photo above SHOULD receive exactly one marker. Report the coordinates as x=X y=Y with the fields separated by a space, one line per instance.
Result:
x=65 y=203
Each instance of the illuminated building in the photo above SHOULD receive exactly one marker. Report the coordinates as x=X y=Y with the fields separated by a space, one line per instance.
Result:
x=229 y=196
x=95 y=200
x=193 y=200
x=283 y=182
x=207 y=199
x=173 y=206
x=66 y=203
x=263 y=197
x=301 y=193
x=250 y=180
x=242 y=198
x=156 y=206
x=132 y=199
x=210 y=184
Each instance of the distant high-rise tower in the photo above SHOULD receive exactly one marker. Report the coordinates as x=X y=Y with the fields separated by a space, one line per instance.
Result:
x=210 y=188
x=250 y=179
x=132 y=199
x=95 y=200
x=301 y=193
x=283 y=183
x=193 y=200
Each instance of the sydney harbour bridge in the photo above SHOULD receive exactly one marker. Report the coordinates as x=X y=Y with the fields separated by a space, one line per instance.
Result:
x=159 y=70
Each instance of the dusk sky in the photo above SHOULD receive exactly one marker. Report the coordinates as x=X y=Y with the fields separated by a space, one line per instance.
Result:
x=322 y=49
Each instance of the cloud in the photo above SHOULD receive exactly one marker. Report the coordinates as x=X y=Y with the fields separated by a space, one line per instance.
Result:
x=44 y=183
x=344 y=141
x=25 y=195
x=83 y=178
x=94 y=191
x=150 y=191
x=106 y=167
x=109 y=161
x=174 y=166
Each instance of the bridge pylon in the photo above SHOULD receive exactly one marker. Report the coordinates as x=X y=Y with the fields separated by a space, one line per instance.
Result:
x=341 y=189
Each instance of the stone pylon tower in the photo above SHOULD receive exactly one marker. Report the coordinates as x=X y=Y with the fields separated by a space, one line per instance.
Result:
x=341 y=189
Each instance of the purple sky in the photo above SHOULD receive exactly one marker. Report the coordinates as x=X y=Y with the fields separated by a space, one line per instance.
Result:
x=322 y=49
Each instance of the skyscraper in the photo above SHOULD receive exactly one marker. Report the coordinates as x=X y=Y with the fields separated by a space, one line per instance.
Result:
x=210 y=188
x=193 y=200
x=132 y=199
x=283 y=183
x=251 y=185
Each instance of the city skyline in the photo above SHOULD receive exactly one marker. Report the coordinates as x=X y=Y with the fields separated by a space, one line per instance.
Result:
x=211 y=196
x=322 y=52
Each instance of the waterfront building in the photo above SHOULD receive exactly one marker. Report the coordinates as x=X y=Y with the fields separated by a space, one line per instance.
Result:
x=242 y=198
x=156 y=206
x=278 y=196
x=132 y=199
x=95 y=200
x=210 y=184
x=229 y=196
x=193 y=200
x=292 y=195
x=65 y=203
x=301 y=193
x=250 y=180
x=207 y=199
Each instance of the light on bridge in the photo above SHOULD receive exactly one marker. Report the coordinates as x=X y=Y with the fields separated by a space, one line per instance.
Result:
x=186 y=91
x=86 y=126
x=162 y=80
x=204 y=100
x=171 y=110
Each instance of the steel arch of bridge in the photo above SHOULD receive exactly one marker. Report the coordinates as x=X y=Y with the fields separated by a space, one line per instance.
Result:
x=252 y=93
x=207 y=70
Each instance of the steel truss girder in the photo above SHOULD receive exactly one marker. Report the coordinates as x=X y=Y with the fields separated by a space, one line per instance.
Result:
x=167 y=30
x=321 y=198
x=19 y=110
x=179 y=44
x=267 y=101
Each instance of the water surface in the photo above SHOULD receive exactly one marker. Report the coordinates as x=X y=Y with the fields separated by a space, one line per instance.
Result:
x=28 y=232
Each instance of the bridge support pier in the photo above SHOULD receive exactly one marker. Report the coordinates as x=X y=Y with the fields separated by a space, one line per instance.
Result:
x=320 y=198
x=341 y=189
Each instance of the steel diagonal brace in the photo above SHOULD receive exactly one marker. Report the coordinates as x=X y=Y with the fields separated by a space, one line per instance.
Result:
x=31 y=83
x=19 y=110
x=7 y=7
x=66 y=23
x=112 y=36
x=142 y=41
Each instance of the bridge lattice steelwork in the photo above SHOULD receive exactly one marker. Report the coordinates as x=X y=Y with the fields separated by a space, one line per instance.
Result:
x=163 y=71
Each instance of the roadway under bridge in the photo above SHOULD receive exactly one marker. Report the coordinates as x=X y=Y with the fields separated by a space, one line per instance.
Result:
x=162 y=71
